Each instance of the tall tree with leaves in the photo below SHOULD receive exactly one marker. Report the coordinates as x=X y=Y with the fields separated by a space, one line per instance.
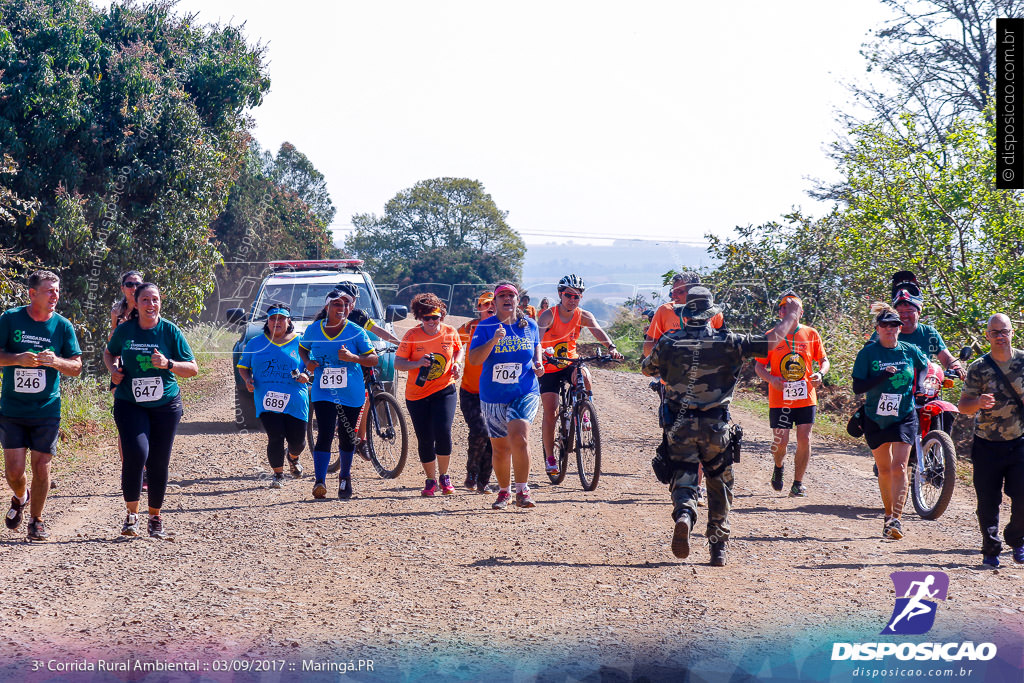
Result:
x=128 y=124
x=445 y=230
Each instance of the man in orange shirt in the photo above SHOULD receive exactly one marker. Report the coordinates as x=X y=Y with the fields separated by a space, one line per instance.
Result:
x=665 y=318
x=478 y=460
x=792 y=399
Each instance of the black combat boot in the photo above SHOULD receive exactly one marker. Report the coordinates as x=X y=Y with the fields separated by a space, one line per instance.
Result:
x=718 y=554
x=681 y=537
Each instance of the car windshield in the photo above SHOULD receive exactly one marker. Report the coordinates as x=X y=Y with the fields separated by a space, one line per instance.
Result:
x=306 y=300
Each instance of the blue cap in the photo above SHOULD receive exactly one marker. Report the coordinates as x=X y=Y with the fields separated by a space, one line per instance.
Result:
x=277 y=310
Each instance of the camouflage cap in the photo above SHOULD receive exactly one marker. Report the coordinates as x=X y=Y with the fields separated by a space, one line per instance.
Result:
x=686 y=277
x=700 y=305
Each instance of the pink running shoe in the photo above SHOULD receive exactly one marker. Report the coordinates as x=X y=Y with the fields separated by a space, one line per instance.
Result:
x=430 y=489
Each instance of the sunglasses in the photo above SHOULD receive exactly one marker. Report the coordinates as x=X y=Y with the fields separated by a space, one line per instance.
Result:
x=131 y=284
x=574 y=297
x=890 y=325
x=1000 y=333
x=431 y=317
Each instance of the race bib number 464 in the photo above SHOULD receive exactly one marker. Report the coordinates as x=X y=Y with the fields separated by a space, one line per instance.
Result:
x=889 y=404
x=29 y=380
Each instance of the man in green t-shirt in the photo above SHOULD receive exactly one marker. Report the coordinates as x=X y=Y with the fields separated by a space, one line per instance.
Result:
x=908 y=302
x=37 y=346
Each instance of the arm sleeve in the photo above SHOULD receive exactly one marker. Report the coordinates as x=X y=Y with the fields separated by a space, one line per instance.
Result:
x=862 y=386
x=974 y=385
x=405 y=347
x=70 y=348
x=180 y=346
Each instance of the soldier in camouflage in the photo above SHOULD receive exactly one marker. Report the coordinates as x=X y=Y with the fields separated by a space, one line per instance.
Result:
x=700 y=366
x=998 y=449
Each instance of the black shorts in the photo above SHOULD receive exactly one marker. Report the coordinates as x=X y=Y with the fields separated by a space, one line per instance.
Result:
x=549 y=381
x=785 y=418
x=34 y=433
x=903 y=431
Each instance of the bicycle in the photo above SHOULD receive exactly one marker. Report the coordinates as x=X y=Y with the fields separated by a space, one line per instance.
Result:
x=577 y=426
x=387 y=434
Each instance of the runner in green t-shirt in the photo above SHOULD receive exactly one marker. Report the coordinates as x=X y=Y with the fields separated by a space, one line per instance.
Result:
x=885 y=371
x=37 y=346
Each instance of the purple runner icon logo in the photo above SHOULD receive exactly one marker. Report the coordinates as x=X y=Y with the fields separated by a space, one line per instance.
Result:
x=914 y=612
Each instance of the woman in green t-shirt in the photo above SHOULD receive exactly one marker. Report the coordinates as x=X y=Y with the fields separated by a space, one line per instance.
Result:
x=885 y=370
x=147 y=402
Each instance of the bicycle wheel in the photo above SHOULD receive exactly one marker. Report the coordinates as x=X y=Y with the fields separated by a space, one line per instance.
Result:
x=588 y=444
x=933 y=479
x=311 y=427
x=563 y=444
x=387 y=436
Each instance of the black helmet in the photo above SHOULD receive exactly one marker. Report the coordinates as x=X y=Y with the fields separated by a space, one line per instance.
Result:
x=572 y=280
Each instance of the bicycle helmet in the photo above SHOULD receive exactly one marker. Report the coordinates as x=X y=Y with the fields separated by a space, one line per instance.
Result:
x=573 y=281
x=905 y=289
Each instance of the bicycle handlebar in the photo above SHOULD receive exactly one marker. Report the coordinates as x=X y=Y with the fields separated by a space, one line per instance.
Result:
x=554 y=360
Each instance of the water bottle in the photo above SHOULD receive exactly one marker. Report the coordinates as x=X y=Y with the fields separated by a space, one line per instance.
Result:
x=421 y=376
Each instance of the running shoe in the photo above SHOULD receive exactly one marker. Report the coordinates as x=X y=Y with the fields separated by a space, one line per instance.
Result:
x=156 y=528
x=277 y=481
x=990 y=561
x=15 y=514
x=429 y=489
x=470 y=482
x=446 y=485
x=718 y=554
x=702 y=494
x=320 y=490
x=131 y=525
x=798 y=490
x=681 y=538
x=893 y=530
x=551 y=466
x=334 y=467
x=295 y=466
x=37 y=530
x=502 y=502
x=363 y=450
x=484 y=487
x=777 y=478
x=344 y=488
x=1018 y=554
x=525 y=500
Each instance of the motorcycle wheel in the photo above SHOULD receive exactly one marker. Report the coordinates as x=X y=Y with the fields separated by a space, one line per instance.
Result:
x=932 y=480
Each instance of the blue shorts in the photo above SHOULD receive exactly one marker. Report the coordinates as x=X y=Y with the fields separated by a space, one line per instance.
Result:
x=34 y=433
x=498 y=415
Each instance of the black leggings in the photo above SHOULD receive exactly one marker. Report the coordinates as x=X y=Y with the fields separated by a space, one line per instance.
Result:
x=147 y=436
x=478 y=461
x=329 y=423
x=432 y=419
x=281 y=427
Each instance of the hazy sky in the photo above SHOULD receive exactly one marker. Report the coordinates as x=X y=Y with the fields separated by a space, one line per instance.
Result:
x=663 y=119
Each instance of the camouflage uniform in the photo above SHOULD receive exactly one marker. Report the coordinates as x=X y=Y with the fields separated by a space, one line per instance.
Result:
x=998 y=451
x=700 y=367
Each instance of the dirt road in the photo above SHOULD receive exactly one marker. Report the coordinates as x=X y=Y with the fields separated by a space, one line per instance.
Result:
x=585 y=584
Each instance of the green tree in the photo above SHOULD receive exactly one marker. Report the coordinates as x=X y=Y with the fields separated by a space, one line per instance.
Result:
x=294 y=171
x=128 y=125
x=444 y=230
x=933 y=208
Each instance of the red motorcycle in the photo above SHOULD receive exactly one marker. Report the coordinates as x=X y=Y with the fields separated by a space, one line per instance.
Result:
x=933 y=462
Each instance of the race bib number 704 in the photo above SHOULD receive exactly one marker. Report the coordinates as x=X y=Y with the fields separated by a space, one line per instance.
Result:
x=506 y=373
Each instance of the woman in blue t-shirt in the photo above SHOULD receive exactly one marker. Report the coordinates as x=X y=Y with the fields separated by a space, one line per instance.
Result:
x=273 y=372
x=885 y=370
x=147 y=402
x=507 y=345
x=335 y=353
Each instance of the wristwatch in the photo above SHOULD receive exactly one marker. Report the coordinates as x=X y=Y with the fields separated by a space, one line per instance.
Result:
x=170 y=363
